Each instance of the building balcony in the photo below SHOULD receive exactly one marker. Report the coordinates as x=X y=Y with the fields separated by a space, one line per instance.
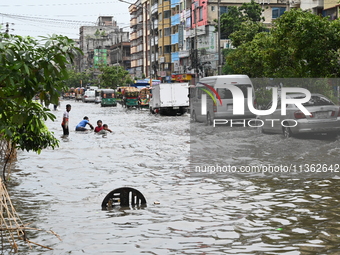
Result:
x=174 y=38
x=126 y=58
x=154 y=39
x=154 y=56
x=155 y=23
x=133 y=22
x=175 y=19
x=133 y=36
x=154 y=8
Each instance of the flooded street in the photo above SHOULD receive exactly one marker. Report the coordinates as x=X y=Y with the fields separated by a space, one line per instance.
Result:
x=198 y=212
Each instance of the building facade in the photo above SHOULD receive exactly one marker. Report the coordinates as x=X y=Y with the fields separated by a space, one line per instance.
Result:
x=176 y=40
x=104 y=44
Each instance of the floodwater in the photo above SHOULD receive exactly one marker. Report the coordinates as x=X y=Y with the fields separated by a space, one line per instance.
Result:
x=195 y=212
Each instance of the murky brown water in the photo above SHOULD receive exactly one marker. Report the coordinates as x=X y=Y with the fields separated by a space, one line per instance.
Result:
x=199 y=213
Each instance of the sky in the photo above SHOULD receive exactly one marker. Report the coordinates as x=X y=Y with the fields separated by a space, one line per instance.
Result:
x=63 y=17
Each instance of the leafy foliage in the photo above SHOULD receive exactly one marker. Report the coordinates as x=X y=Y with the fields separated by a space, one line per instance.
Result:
x=29 y=67
x=299 y=45
x=114 y=76
x=81 y=79
x=233 y=19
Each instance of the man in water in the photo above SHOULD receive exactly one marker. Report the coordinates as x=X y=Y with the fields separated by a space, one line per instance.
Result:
x=81 y=126
x=64 y=123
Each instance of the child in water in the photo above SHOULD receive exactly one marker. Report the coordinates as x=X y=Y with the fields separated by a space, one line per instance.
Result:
x=106 y=128
x=102 y=129
x=99 y=126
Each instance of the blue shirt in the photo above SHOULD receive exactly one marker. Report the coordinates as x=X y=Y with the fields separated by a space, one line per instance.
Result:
x=82 y=123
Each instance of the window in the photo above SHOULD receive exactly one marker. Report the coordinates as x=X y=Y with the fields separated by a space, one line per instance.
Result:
x=200 y=13
x=223 y=9
x=188 y=23
x=226 y=93
x=160 y=33
x=167 y=49
x=174 y=29
x=174 y=48
x=199 y=93
x=277 y=12
x=212 y=8
x=167 y=14
x=160 y=17
x=167 y=31
x=317 y=101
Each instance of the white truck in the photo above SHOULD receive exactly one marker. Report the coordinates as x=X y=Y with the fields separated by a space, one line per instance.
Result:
x=169 y=98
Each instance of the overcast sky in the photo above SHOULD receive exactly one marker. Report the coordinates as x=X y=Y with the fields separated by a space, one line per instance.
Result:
x=65 y=17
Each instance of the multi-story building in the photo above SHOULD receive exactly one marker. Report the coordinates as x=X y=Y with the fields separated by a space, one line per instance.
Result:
x=104 y=44
x=144 y=38
x=184 y=38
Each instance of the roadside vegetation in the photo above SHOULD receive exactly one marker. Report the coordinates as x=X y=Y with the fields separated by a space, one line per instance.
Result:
x=30 y=67
x=298 y=45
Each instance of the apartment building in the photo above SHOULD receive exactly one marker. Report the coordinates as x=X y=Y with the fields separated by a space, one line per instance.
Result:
x=104 y=44
x=176 y=40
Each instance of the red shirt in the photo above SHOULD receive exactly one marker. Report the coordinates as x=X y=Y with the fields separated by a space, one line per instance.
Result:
x=97 y=129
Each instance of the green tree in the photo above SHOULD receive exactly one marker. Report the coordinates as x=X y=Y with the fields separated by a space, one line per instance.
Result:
x=226 y=69
x=114 y=76
x=246 y=32
x=77 y=79
x=253 y=58
x=29 y=67
x=299 y=45
x=231 y=21
x=81 y=79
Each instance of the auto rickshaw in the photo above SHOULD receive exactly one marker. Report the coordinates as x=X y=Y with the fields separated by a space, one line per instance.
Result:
x=79 y=93
x=108 y=97
x=130 y=97
x=72 y=93
x=144 y=97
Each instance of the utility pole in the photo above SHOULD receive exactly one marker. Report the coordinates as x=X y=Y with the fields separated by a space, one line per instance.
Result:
x=154 y=45
x=147 y=24
x=219 y=68
x=196 y=49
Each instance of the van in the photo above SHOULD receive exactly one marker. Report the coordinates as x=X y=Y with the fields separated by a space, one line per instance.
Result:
x=89 y=96
x=219 y=99
x=97 y=96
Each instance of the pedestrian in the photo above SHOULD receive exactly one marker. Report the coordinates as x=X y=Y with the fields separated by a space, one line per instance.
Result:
x=99 y=126
x=81 y=126
x=65 y=121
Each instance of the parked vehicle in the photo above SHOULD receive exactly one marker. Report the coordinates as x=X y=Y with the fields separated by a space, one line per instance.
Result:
x=98 y=97
x=169 y=98
x=89 y=96
x=108 y=97
x=324 y=118
x=144 y=97
x=130 y=97
x=219 y=104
